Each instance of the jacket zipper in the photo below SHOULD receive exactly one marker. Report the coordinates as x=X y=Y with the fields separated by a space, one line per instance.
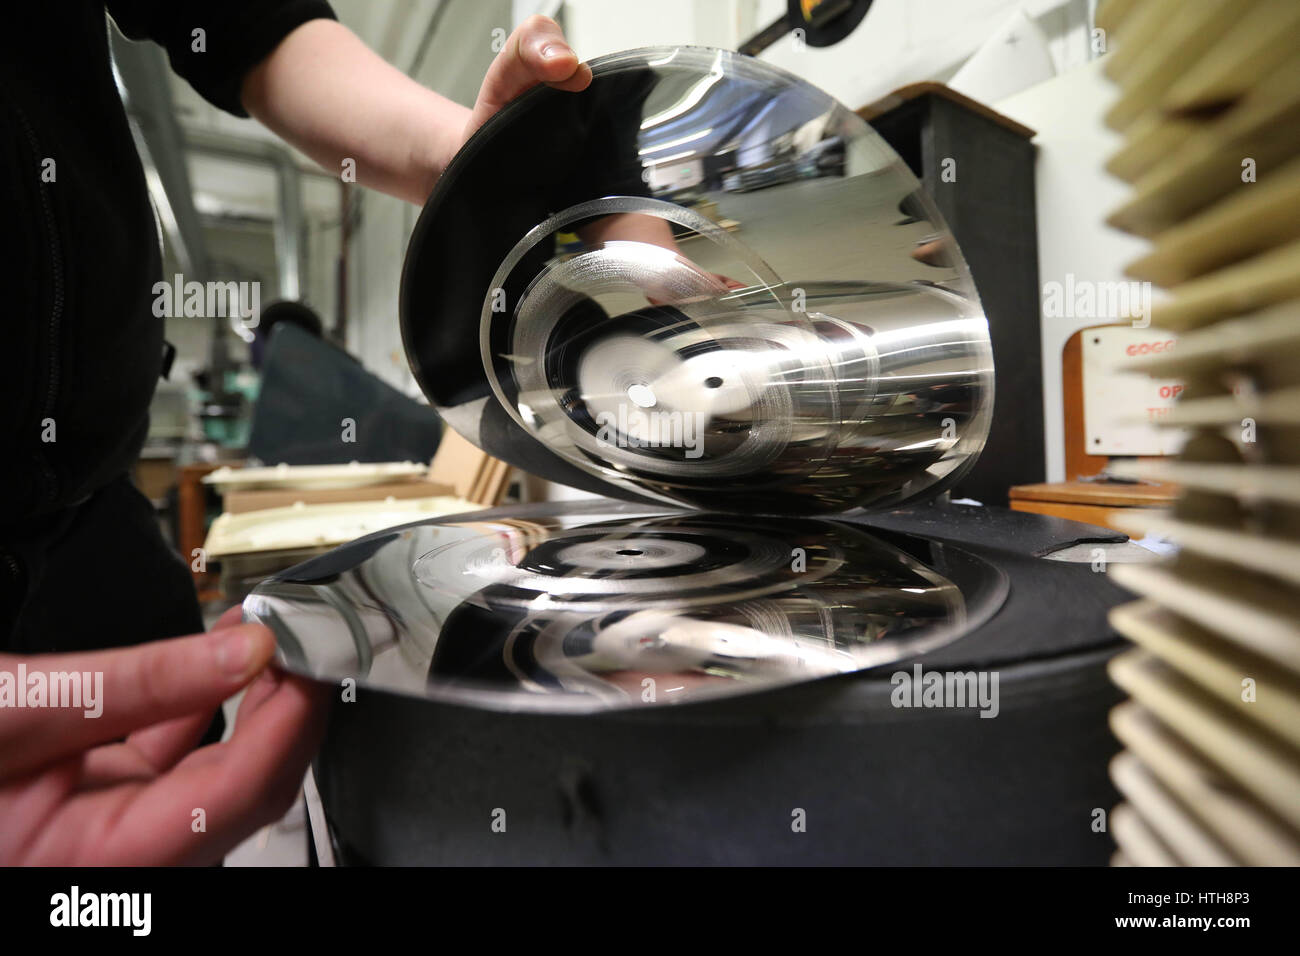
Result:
x=11 y=570
x=56 y=305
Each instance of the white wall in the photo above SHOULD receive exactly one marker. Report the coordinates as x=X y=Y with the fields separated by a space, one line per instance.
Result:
x=907 y=41
x=1075 y=195
x=597 y=27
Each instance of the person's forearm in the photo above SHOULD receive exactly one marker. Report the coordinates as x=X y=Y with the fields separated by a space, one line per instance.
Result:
x=323 y=90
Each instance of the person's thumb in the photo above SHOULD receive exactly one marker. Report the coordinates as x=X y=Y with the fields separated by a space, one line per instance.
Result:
x=63 y=704
x=535 y=53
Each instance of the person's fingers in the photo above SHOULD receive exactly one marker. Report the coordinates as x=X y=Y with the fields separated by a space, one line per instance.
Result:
x=252 y=779
x=259 y=691
x=248 y=781
x=207 y=804
x=934 y=253
x=146 y=753
x=579 y=81
x=231 y=617
x=113 y=764
x=166 y=743
x=28 y=803
x=131 y=688
x=536 y=52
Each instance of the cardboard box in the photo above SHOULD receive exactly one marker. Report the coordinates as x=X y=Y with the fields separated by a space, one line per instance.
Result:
x=240 y=502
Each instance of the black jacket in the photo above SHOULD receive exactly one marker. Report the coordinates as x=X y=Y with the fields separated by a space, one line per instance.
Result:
x=79 y=345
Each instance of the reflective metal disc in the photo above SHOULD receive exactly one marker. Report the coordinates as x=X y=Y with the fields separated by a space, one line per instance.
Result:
x=612 y=606
x=701 y=281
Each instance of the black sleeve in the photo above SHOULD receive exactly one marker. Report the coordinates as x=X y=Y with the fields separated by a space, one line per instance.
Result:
x=237 y=35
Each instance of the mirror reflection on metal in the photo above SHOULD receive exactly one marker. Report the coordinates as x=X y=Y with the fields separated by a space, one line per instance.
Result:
x=701 y=281
x=568 y=610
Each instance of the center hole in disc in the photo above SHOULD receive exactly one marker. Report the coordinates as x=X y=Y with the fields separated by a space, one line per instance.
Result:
x=629 y=552
x=713 y=382
x=641 y=395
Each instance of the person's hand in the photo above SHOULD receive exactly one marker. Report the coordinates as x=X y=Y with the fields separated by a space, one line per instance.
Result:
x=74 y=792
x=535 y=53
